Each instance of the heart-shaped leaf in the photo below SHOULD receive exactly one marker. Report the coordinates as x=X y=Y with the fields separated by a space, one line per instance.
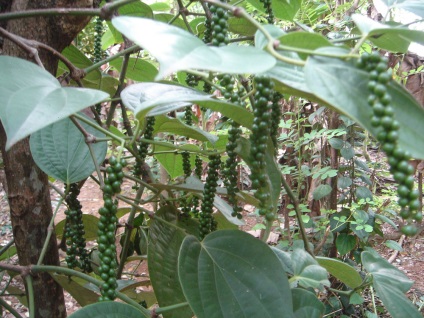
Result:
x=152 y=99
x=33 y=99
x=233 y=274
x=306 y=304
x=61 y=152
x=341 y=85
x=165 y=239
x=390 y=284
x=342 y=271
x=178 y=50
x=109 y=309
x=307 y=271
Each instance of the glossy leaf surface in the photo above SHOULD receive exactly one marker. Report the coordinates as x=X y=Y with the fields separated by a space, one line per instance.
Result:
x=323 y=79
x=178 y=50
x=342 y=271
x=108 y=309
x=390 y=284
x=60 y=151
x=33 y=99
x=233 y=274
x=163 y=249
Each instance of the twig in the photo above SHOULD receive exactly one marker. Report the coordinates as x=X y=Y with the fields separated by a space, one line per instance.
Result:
x=396 y=252
x=128 y=231
x=105 y=12
x=9 y=308
x=298 y=215
x=32 y=52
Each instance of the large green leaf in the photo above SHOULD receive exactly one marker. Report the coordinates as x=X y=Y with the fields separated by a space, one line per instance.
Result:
x=32 y=98
x=307 y=271
x=165 y=239
x=413 y=6
x=233 y=274
x=178 y=50
x=241 y=26
x=304 y=40
x=342 y=271
x=341 y=85
x=136 y=9
x=286 y=9
x=175 y=126
x=345 y=243
x=390 y=284
x=61 y=152
x=154 y=99
x=138 y=69
x=108 y=309
x=306 y=304
x=82 y=295
x=395 y=39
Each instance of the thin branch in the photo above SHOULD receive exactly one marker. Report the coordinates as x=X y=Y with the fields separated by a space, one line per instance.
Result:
x=21 y=42
x=105 y=12
x=298 y=214
x=9 y=308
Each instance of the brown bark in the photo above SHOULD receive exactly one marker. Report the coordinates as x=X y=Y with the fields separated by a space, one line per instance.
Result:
x=28 y=191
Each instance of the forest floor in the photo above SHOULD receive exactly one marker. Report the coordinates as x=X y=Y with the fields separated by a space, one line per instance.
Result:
x=410 y=260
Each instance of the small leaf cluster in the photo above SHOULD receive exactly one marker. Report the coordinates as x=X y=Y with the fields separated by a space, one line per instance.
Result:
x=207 y=223
x=76 y=253
x=258 y=143
x=107 y=227
x=388 y=135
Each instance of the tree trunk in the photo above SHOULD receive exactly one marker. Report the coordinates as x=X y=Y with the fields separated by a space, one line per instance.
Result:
x=28 y=190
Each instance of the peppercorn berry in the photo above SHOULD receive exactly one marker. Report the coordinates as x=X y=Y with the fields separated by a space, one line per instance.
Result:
x=76 y=253
x=107 y=228
x=206 y=220
x=388 y=135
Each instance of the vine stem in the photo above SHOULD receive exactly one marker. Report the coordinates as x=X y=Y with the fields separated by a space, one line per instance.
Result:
x=161 y=310
x=105 y=12
x=50 y=229
x=128 y=231
x=95 y=66
x=30 y=290
x=9 y=308
x=298 y=215
x=32 y=269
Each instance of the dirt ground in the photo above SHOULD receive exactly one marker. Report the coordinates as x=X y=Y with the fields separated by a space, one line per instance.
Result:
x=410 y=260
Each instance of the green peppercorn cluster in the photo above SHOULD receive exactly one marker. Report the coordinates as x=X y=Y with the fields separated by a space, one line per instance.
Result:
x=219 y=26
x=230 y=170
x=98 y=52
x=76 y=253
x=258 y=144
x=268 y=9
x=275 y=119
x=207 y=35
x=198 y=166
x=207 y=223
x=107 y=227
x=388 y=135
x=148 y=134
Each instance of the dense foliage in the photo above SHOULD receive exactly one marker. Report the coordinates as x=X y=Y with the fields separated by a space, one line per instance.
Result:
x=201 y=100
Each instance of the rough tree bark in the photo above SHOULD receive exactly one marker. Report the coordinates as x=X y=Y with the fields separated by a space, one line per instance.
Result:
x=28 y=190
